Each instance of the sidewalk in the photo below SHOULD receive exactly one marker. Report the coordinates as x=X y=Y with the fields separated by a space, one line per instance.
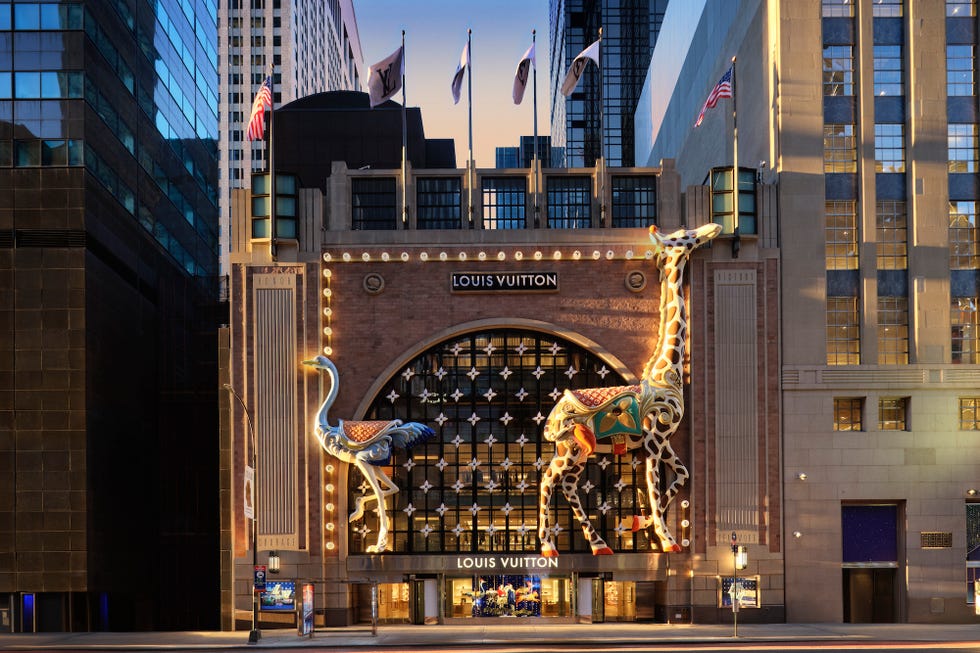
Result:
x=420 y=636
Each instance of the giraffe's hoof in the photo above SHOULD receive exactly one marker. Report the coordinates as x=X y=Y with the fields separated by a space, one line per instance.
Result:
x=672 y=548
x=637 y=522
x=603 y=551
x=548 y=552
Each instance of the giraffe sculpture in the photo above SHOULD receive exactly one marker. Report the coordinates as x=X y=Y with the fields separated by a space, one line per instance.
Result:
x=368 y=446
x=630 y=416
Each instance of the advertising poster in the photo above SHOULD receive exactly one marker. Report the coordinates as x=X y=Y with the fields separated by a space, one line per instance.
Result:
x=279 y=596
x=748 y=593
x=306 y=618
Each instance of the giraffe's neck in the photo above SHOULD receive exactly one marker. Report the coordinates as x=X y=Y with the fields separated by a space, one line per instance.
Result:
x=665 y=367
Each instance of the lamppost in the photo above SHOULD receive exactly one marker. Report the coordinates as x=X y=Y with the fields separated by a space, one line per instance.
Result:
x=740 y=560
x=255 y=634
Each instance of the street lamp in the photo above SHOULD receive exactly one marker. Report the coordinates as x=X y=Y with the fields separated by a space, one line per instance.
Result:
x=255 y=634
x=740 y=560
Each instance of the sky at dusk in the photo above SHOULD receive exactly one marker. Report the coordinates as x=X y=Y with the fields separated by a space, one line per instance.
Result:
x=435 y=33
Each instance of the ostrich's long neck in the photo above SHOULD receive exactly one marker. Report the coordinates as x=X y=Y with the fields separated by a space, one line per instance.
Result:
x=665 y=366
x=321 y=415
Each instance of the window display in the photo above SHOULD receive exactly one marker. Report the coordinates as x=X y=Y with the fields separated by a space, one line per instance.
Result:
x=508 y=595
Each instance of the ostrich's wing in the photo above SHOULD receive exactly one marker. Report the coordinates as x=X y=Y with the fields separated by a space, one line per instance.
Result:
x=408 y=435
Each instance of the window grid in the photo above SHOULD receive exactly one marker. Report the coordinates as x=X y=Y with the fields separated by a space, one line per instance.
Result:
x=970 y=413
x=964 y=240
x=889 y=147
x=960 y=8
x=888 y=78
x=843 y=331
x=634 y=201
x=569 y=202
x=893 y=414
x=892 y=235
x=961 y=142
x=847 y=413
x=838 y=70
x=474 y=487
x=960 y=80
x=965 y=337
x=439 y=202
x=373 y=203
x=887 y=8
x=893 y=330
x=839 y=148
x=504 y=202
x=723 y=199
x=841 y=234
x=972 y=548
x=838 y=8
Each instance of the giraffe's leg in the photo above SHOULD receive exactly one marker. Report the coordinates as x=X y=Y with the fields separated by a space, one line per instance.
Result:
x=569 y=487
x=556 y=468
x=656 y=445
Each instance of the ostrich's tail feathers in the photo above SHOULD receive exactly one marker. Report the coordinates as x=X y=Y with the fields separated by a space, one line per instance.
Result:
x=412 y=433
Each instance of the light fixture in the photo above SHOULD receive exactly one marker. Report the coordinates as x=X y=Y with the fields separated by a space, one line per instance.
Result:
x=273 y=562
x=797 y=534
x=972 y=492
x=802 y=476
x=741 y=557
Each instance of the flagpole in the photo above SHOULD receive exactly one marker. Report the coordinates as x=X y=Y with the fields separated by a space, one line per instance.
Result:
x=735 y=240
x=602 y=148
x=404 y=141
x=534 y=161
x=273 y=242
x=469 y=98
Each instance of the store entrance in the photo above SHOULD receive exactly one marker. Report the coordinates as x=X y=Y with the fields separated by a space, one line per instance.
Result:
x=619 y=602
x=869 y=595
x=508 y=595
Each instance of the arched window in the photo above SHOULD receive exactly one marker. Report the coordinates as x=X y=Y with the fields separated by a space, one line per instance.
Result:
x=474 y=487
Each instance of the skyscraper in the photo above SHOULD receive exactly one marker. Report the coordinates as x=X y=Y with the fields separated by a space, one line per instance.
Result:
x=313 y=46
x=108 y=279
x=629 y=33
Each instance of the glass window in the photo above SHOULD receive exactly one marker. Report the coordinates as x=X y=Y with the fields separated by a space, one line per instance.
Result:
x=373 y=203
x=569 y=202
x=27 y=84
x=439 y=202
x=970 y=413
x=886 y=8
x=838 y=70
x=892 y=235
x=838 y=8
x=474 y=487
x=839 y=148
x=972 y=551
x=890 y=147
x=509 y=595
x=888 y=77
x=847 y=413
x=27 y=153
x=959 y=70
x=504 y=202
x=960 y=8
x=961 y=140
x=634 y=201
x=965 y=339
x=722 y=200
x=964 y=240
x=893 y=414
x=893 y=330
x=843 y=331
x=842 y=245
x=27 y=16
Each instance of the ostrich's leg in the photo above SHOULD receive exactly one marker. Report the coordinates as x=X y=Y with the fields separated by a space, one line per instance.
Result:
x=370 y=473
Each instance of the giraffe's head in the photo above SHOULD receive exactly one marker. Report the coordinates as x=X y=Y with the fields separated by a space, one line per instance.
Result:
x=678 y=245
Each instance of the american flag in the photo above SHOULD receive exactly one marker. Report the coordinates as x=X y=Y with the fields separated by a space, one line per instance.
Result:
x=263 y=101
x=722 y=89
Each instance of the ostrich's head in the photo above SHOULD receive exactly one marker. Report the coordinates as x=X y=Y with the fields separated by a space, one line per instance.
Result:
x=319 y=363
x=682 y=242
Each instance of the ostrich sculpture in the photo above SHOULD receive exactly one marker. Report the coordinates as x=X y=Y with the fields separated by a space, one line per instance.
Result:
x=368 y=445
x=586 y=420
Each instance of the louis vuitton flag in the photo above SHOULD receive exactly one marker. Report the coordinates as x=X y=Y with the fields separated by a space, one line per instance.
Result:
x=385 y=77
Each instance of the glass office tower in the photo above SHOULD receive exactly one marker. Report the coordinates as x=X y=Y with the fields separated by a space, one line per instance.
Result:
x=108 y=291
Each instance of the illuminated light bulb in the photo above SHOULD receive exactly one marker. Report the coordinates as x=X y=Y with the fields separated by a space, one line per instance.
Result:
x=327 y=312
x=404 y=256
x=797 y=534
x=685 y=523
x=327 y=331
x=556 y=255
x=501 y=256
x=443 y=256
x=648 y=255
x=685 y=504
x=629 y=253
x=518 y=256
x=596 y=254
x=610 y=254
x=576 y=255
x=330 y=526
x=327 y=273
x=327 y=258
x=462 y=256
x=328 y=351
x=327 y=292
x=687 y=542
x=331 y=546
x=329 y=507
x=482 y=256
x=385 y=256
x=346 y=257
x=537 y=256
x=365 y=257
x=424 y=256
x=329 y=469
x=328 y=487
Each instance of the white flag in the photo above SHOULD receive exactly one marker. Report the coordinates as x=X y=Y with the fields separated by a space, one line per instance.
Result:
x=464 y=64
x=523 y=72
x=385 y=77
x=249 y=492
x=578 y=67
